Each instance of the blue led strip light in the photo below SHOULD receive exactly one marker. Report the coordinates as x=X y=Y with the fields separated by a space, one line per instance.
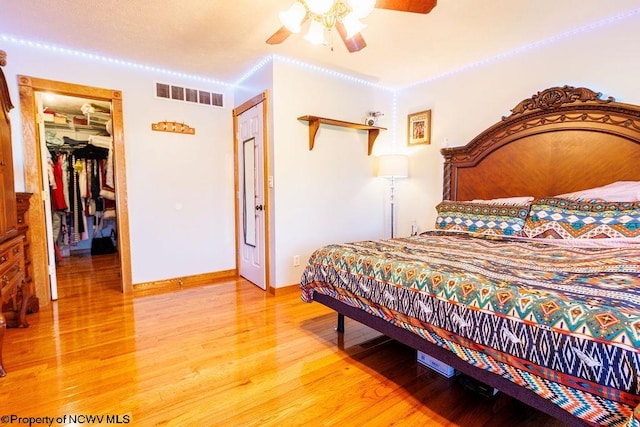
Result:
x=109 y=60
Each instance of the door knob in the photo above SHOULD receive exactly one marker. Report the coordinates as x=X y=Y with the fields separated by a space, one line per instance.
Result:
x=259 y=207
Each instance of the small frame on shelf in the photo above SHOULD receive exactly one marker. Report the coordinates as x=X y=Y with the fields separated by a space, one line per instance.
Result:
x=419 y=128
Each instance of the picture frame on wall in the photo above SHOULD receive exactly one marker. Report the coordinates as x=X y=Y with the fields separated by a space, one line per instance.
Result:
x=419 y=128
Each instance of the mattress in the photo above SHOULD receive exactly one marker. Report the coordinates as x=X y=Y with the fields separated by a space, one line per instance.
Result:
x=560 y=320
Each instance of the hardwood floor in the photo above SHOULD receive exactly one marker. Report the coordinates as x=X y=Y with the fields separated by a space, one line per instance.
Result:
x=227 y=354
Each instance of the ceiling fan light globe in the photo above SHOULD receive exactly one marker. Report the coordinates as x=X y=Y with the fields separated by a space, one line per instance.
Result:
x=319 y=7
x=352 y=25
x=315 y=34
x=292 y=17
x=362 y=8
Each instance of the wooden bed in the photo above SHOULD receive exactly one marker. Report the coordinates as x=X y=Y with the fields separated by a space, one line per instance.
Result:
x=560 y=140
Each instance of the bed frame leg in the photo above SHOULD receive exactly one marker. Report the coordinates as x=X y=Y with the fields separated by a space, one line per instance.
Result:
x=340 y=327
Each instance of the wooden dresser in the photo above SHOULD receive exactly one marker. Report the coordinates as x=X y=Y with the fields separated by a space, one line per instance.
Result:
x=22 y=204
x=11 y=243
x=11 y=277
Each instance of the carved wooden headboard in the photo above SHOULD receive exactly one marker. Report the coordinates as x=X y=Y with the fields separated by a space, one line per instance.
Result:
x=560 y=140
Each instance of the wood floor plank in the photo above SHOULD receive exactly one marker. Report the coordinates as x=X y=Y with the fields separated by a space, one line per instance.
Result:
x=225 y=354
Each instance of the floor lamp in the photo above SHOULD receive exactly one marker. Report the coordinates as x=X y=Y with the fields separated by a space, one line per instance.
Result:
x=393 y=166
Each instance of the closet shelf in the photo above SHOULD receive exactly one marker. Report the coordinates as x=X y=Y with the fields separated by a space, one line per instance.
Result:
x=315 y=121
x=67 y=126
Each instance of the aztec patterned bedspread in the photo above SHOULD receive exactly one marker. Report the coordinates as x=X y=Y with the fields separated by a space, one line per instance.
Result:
x=564 y=322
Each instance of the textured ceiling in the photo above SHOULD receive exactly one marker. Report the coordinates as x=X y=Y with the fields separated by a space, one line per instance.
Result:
x=223 y=39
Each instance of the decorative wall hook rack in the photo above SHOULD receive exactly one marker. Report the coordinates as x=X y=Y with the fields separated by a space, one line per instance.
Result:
x=174 y=127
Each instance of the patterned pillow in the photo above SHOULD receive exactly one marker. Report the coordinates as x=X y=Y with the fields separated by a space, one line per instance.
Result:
x=495 y=219
x=559 y=218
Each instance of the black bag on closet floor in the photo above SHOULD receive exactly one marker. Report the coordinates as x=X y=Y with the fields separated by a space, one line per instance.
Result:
x=102 y=245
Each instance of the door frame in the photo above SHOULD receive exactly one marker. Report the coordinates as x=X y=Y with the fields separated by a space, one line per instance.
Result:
x=33 y=169
x=263 y=97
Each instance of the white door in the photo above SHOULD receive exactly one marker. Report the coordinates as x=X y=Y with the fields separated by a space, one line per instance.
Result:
x=46 y=199
x=251 y=194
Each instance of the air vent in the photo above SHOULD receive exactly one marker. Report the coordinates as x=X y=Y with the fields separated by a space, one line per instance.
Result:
x=196 y=96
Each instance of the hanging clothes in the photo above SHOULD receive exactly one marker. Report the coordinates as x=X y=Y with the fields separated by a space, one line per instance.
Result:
x=79 y=171
x=91 y=152
x=58 y=201
x=74 y=201
x=95 y=179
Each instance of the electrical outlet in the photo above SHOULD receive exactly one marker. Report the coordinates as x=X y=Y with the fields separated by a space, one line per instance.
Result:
x=296 y=260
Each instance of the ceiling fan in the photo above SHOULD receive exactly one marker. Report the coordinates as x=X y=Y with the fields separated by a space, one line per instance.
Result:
x=344 y=15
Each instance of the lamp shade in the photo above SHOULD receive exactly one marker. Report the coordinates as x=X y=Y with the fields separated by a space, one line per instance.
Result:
x=352 y=24
x=319 y=7
x=315 y=34
x=293 y=17
x=393 y=166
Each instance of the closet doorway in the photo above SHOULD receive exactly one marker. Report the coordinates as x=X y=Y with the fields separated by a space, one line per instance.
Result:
x=59 y=119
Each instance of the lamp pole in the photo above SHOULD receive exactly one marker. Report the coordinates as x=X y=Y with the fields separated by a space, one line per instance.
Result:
x=393 y=205
x=393 y=166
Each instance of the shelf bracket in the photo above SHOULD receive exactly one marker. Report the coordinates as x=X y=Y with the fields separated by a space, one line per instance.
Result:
x=373 y=134
x=314 y=125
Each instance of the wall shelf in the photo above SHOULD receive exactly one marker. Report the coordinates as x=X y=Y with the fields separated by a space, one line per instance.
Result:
x=315 y=121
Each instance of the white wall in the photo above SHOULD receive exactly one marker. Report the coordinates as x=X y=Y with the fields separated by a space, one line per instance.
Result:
x=180 y=187
x=605 y=59
x=329 y=194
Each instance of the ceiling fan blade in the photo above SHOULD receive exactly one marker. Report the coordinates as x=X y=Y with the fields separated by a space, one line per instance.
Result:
x=282 y=33
x=279 y=36
x=355 y=43
x=415 y=6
